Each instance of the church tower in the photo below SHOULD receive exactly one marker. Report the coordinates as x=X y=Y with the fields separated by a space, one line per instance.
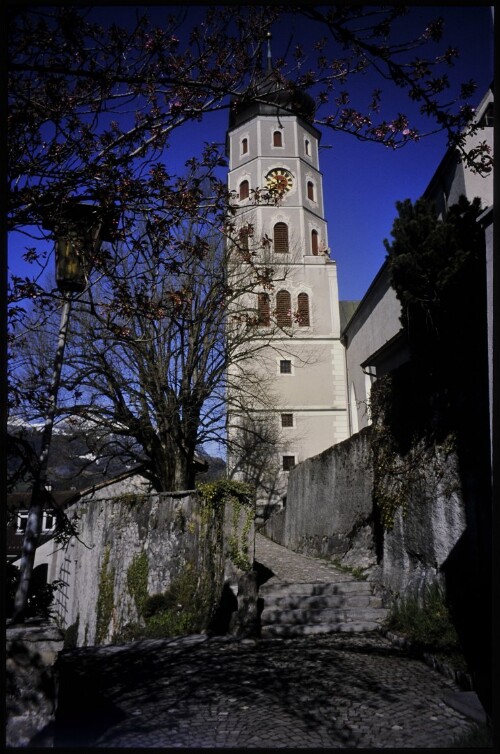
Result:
x=272 y=145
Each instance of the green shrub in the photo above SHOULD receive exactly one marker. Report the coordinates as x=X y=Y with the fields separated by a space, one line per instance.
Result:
x=427 y=623
x=40 y=597
x=479 y=736
x=182 y=609
x=171 y=623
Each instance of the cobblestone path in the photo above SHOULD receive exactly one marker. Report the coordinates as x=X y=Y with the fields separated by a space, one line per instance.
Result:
x=331 y=691
x=287 y=565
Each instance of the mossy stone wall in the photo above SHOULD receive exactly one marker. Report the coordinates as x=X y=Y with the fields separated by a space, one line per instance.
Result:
x=134 y=546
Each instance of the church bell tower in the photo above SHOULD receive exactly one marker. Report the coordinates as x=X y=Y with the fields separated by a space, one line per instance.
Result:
x=272 y=145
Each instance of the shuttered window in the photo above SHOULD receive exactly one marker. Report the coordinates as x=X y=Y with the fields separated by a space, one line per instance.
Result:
x=303 y=309
x=280 y=234
x=263 y=310
x=314 y=242
x=244 y=190
x=283 y=309
x=277 y=139
x=310 y=190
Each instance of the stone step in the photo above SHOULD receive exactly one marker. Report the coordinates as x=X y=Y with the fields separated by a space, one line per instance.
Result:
x=284 y=630
x=330 y=615
x=318 y=602
x=284 y=589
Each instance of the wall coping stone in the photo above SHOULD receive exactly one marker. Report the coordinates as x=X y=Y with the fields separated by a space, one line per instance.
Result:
x=34 y=633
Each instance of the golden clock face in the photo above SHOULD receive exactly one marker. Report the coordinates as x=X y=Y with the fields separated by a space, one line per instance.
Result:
x=279 y=179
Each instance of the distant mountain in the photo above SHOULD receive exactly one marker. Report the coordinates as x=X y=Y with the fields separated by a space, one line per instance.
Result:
x=72 y=466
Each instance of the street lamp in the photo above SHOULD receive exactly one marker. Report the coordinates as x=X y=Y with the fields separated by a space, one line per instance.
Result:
x=79 y=229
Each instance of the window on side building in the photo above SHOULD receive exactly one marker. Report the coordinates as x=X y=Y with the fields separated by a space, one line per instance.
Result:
x=285 y=366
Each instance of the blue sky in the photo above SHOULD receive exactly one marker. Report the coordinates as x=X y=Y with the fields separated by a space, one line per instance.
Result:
x=362 y=181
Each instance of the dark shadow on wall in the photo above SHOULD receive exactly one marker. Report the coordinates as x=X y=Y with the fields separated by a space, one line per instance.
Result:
x=468 y=570
x=447 y=397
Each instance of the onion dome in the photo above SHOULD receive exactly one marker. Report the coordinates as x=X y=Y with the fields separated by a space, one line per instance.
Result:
x=269 y=96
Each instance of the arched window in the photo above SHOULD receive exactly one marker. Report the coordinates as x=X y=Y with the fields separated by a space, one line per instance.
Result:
x=314 y=242
x=244 y=190
x=283 y=309
x=263 y=310
x=277 y=139
x=303 y=309
x=310 y=190
x=280 y=238
x=244 y=146
x=307 y=145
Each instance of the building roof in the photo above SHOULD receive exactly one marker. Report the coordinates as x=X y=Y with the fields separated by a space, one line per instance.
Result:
x=347 y=309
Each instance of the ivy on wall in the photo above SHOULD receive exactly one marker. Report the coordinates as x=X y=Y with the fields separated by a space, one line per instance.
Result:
x=105 y=598
x=137 y=580
x=215 y=497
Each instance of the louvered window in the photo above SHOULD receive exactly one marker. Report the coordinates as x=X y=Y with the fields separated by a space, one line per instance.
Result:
x=244 y=190
x=303 y=309
x=314 y=242
x=281 y=238
x=287 y=420
x=277 y=139
x=244 y=146
x=244 y=239
x=310 y=190
x=283 y=309
x=263 y=310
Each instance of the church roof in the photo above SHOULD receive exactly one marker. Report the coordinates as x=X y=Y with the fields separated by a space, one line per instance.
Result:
x=271 y=95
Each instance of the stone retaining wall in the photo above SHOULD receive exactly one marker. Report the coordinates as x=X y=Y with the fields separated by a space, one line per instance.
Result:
x=330 y=513
x=31 y=683
x=97 y=600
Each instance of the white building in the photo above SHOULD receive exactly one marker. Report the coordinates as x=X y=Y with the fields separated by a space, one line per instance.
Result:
x=272 y=144
x=373 y=337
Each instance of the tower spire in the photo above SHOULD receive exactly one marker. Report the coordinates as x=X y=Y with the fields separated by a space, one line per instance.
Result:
x=269 y=57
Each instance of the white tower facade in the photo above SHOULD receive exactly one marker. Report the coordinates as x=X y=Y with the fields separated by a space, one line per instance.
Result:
x=272 y=144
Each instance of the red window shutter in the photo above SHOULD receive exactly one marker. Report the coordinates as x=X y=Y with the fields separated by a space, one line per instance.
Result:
x=283 y=309
x=244 y=190
x=314 y=242
x=281 y=238
x=277 y=139
x=303 y=309
x=263 y=310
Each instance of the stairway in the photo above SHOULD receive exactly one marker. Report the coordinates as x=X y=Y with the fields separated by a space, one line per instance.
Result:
x=299 y=609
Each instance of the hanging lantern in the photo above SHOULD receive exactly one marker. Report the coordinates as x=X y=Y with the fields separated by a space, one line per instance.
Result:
x=70 y=273
x=79 y=230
